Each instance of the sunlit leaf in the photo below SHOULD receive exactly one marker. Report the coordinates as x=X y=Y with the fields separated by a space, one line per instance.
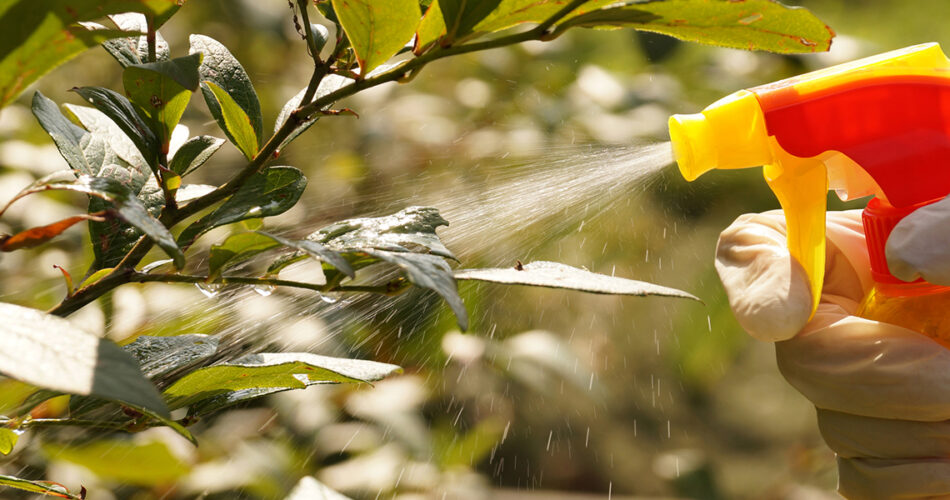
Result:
x=145 y=464
x=118 y=108
x=194 y=153
x=750 y=24
x=38 y=235
x=45 y=488
x=268 y=193
x=159 y=356
x=134 y=50
x=281 y=371
x=329 y=84
x=8 y=439
x=461 y=16
x=430 y=29
x=65 y=134
x=377 y=29
x=513 y=12
x=556 y=275
x=236 y=124
x=317 y=251
x=96 y=276
x=49 y=352
x=36 y=38
x=161 y=90
x=410 y=229
x=235 y=249
x=223 y=70
x=428 y=271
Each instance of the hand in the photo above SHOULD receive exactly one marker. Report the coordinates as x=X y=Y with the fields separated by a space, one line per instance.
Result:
x=882 y=392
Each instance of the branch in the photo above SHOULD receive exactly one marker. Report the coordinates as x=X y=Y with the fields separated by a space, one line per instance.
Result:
x=243 y=280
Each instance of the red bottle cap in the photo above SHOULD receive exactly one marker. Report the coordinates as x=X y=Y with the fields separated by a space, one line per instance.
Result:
x=879 y=219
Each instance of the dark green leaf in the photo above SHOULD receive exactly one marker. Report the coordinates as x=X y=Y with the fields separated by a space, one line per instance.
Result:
x=128 y=461
x=134 y=50
x=127 y=207
x=161 y=90
x=410 y=229
x=194 y=154
x=8 y=439
x=317 y=251
x=65 y=134
x=123 y=114
x=513 y=12
x=461 y=16
x=236 y=249
x=377 y=29
x=160 y=356
x=268 y=193
x=234 y=121
x=42 y=487
x=272 y=371
x=555 y=275
x=428 y=271
x=35 y=38
x=47 y=351
x=329 y=84
x=223 y=69
x=750 y=24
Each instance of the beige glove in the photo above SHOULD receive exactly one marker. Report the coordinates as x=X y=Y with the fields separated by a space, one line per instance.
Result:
x=882 y=391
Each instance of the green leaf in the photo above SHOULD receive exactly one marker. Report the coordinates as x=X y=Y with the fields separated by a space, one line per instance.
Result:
x=161 y=90
x=235 y=249
x=194 y=153
x=513 y=12
x=329 y=84
x=148 y=464
x=127 y=207
x=43 y=487
x=317 y=251
x=48 y=352
x=377 y=29
x=268 y=193
x=431 y=28
x=65 y=134
x=556 y=275
x=410 y=229
x=750 y=24
x=134 y=50
x=428 y=271
x=36 y=38
x=96 y=276
x=160 y=356
x=234 y=121
x=223 y=69
x=8 y=439
x=118 y=108
x=461 y=16
x=281 y=371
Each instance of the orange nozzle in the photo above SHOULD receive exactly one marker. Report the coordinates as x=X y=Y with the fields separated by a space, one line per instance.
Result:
x=880 y=125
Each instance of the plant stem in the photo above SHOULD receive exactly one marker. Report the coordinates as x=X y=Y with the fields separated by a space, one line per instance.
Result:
x=61 y=422
x=150 y=38
x=244 y=280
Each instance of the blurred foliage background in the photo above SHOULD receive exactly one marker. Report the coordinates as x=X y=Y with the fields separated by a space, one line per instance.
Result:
x=551 y=394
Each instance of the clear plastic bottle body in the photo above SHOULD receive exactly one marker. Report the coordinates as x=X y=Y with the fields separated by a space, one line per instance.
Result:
x=921 y=306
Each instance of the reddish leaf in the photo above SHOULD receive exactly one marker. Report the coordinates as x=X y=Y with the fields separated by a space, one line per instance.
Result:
x=38 y=235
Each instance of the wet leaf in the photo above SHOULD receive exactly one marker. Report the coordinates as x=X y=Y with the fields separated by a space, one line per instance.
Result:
x=224 y=71
x=118 y=108
x=134 y=50
x=428 y=271
x=410 y=229
x=194 y=153
x=8 y=439
x=237 y=249
x=65 y=134
x=38 y=235
x=329 y=84
x=36 y=38
x=750 y=24
x=377 y=29
x=236 y=124
x=270 y=192
x=127 y=461
x=556 y=275
x=160 y=92
x=126 y=206
x=44 y=487
x=317 y=251
x=48 y=352
x=189 y=192
x=281 y=371
x=309 y=488
x=159 y=356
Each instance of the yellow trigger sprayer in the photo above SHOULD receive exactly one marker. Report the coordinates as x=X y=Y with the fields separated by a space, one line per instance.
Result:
x=877 y=126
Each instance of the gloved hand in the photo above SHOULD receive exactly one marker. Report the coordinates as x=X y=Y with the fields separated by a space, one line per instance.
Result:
x=882 y=392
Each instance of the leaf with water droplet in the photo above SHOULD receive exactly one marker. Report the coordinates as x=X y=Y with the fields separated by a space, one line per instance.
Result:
x=269 y=372
x=159 y=356
x=42 y=487
x=556 y=275
x=236 y=249
x=8 y=439
x=410 y=230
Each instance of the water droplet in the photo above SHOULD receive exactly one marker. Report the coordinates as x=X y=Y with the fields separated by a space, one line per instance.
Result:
x=209 y=289
x=264 y=290
x=329 y=297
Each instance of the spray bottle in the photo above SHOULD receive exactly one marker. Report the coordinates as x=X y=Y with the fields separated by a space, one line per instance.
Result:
x=877 y=126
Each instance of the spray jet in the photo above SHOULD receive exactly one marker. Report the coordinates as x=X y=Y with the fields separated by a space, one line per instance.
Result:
x=877 y=126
